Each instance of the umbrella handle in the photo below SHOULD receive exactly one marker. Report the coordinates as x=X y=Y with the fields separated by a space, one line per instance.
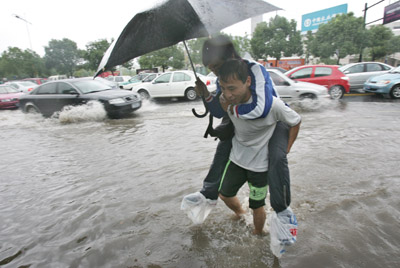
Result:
x=201 y=115
x=195 y=75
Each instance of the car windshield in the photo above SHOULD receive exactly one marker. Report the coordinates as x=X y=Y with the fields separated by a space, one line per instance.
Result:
x=27 y=83
x=90 y=86
x=134 y=79
x=7 y=90
x=107 y=82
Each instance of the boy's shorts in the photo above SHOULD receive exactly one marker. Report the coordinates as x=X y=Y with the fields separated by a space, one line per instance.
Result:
x=233 y=179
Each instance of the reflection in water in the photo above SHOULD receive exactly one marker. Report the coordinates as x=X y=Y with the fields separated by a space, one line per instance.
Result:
x=86 y=191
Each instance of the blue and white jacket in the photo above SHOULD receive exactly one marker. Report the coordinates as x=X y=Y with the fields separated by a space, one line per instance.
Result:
x=262 y=91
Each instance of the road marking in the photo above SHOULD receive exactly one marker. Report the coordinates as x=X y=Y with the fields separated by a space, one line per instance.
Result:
x=358 y=94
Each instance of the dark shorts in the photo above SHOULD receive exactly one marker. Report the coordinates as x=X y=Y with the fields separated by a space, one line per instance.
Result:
x=233 y=179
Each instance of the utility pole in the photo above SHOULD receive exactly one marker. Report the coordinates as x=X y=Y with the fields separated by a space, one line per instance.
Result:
x=27 y=28
x=364 y=24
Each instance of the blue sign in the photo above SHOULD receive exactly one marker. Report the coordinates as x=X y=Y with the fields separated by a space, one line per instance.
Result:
x=311 y=21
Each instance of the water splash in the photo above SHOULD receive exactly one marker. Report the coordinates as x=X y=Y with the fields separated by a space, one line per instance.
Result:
x=92 y=111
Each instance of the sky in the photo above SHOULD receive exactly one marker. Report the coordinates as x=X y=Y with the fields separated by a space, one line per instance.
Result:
x=86 y=21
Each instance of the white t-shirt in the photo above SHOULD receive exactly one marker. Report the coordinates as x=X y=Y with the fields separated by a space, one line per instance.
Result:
x=250 y=143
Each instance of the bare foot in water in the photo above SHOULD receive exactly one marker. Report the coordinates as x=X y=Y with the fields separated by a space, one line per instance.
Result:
x=262 y=233
x=237 y=217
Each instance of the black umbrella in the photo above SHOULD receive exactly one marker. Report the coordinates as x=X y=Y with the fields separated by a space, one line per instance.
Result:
x=174 y=21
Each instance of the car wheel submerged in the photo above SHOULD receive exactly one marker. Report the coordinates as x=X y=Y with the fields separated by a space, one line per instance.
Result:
x=309 y=96
x=336 y=92
x=190 y=94
x=144 y=94
x=30 y=109
x=395 y=92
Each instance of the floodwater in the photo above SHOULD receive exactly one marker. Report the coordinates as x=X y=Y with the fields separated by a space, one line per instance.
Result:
x=86 y=191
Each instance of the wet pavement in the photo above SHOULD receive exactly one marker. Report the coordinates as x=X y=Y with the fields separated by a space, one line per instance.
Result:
x=86 y=191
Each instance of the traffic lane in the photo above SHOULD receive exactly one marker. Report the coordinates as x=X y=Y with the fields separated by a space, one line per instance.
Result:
x=354 y=96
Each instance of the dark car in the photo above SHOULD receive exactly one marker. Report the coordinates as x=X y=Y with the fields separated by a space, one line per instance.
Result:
x=52 y=97
x=325 y=75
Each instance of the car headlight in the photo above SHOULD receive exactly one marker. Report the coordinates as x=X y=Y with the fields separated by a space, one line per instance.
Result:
x=116 y=101
x=383 y=82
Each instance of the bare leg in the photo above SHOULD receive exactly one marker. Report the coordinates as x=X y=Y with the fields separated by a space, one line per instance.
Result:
x=259 y=216
x=234 y=204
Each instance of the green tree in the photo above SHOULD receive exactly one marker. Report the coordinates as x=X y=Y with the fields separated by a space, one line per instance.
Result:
x=277 y=38
x=344 y=35
x=195 y=47
x=16 y=64
x=167 y=57
x=394 y=45
x=379 y=41
x=94 y=53
x=62 y=55
x=308 y=42
x=241 y=44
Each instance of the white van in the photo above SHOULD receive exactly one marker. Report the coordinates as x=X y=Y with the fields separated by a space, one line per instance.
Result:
x=57 y=77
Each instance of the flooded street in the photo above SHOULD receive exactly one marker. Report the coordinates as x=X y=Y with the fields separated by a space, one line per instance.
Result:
x=86 y=191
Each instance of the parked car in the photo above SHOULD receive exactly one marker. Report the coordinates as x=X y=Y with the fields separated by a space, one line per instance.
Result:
x=52 y=97
x=146 y=77
x=388 y=83
x=9 y=97
x=291 y=90
x=22 y=86
x=57 y=77
x=119 y=79
x=37 y=81
x=326 y=75
x=278 y=68
x=359 y=72
x=113 y=85
x=172 y=84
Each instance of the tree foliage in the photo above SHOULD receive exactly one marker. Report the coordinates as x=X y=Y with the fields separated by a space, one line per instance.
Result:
x=379 y=38
x=344 y=35
x=195 y=47
x=277 y=38
x=94 y=53
x=17 y=64
x=241 y=44
x=62 y=55
x=172 y=56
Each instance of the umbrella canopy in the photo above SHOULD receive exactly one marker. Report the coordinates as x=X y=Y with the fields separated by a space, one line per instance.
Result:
x=174 y=21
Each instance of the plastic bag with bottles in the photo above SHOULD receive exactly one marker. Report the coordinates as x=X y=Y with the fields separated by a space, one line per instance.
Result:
x=283 y=231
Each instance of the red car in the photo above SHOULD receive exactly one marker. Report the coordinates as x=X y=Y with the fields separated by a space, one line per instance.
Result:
x=38 y=81
x=325 y=75
x=9 y=97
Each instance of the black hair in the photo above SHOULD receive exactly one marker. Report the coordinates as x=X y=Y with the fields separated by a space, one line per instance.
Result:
x=233 y=68
x=218 y=48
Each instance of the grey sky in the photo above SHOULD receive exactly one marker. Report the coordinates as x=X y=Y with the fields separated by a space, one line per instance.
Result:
x=87 y=21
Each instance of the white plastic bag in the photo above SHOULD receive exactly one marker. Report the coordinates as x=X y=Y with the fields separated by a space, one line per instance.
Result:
x=197 y=207
x=283 y=230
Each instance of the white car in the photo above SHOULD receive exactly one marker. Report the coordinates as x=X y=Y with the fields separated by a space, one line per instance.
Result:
x=172 y=84
x=138 y=79
x=290 y=90
x=358 y=73
x=22 y=86
x=119 y=79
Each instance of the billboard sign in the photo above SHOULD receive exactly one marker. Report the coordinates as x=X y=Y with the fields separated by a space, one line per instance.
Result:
x=391 y=13
x=311 y=21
